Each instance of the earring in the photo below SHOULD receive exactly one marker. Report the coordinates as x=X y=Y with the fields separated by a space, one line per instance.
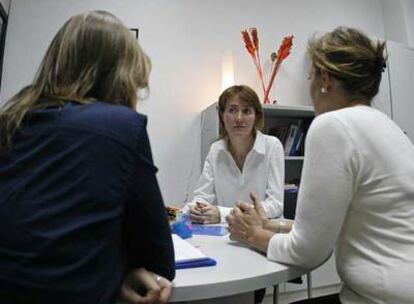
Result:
x=323 y=90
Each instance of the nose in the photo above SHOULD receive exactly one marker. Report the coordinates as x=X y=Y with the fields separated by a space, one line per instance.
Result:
x=239 y=115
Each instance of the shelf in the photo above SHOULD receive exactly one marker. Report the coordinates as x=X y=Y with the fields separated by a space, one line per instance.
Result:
x=294 y=158
x=289 y=111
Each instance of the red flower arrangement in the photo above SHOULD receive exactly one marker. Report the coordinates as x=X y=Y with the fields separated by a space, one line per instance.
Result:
x=251 y=41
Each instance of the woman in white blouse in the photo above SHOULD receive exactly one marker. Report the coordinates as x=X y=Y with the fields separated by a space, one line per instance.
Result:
x=357 y=188
x=241 y=161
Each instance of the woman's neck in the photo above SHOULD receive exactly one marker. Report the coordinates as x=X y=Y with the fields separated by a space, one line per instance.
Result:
x=239 y=147
x=337 y=104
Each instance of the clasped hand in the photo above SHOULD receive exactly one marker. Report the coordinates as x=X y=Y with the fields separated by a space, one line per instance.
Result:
x=204 y=213
x=145 y=287
x=246 y=220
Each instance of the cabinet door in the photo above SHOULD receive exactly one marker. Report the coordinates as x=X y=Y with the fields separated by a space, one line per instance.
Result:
x=401 y=67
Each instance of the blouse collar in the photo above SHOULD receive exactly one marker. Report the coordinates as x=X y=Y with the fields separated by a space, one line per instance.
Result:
x=259 y=143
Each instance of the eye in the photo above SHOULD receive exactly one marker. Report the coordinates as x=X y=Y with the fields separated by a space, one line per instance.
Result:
x=232 y=110
x=247 y=111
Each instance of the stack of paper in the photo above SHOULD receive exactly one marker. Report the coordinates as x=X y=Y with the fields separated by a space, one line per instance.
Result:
x=187 y=256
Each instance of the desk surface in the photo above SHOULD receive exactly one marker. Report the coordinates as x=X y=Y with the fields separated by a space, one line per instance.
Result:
x=239 y=269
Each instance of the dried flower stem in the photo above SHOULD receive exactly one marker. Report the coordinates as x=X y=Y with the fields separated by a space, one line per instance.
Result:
x=259 y=71
x=252 y=46
x=275 y=69
x=255 y=40
x=283 y=52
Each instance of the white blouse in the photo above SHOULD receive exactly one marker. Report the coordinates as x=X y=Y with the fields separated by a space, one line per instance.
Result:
x=223 y=184
x=357 y=192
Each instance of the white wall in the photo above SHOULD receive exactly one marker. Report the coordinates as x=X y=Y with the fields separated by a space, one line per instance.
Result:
x=187 y=40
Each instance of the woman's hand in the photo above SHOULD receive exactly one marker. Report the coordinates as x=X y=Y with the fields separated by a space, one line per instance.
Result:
x=258 y=207
x=246 y=224
x=204 y=213
x=243 y=221
x=152 y=288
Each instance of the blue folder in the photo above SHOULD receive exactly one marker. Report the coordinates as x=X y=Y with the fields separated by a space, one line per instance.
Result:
x=209 y=230
x=195 y=263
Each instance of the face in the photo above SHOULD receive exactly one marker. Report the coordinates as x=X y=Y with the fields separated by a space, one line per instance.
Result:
x=239 y=118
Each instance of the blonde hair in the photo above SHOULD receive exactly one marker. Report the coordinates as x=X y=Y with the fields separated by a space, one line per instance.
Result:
x=352 y=58
x=245 y=94
x=92 y=57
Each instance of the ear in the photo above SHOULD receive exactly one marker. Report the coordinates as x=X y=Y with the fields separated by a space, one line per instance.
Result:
x=326 y=80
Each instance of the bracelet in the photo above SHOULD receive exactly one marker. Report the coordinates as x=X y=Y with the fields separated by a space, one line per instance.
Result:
x=282 y=226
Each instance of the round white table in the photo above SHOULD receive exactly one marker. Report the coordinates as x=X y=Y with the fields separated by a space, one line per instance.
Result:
x=239 y=270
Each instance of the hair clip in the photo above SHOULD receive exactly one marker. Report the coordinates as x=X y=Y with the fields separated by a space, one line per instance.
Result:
x=381 y=64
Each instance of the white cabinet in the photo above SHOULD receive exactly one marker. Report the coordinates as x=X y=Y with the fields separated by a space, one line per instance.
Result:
x=209 y=130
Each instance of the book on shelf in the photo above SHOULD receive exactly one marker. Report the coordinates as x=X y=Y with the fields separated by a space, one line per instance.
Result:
x=290 y=138
x=291 y=188
x=290 y=198
x=188 y=256
x=295 y=148
x=280 y=132
x=292 y=135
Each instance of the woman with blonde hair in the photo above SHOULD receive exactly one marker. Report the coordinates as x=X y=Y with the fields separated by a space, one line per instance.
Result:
x=357 y=187
x=81 y=216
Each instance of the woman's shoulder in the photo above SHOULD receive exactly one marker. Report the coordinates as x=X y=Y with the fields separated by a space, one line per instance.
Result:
x=219 y=144
x=346 y=118
x=338 y=125
x=119 y=115
x=105 y=116
x=107 y=120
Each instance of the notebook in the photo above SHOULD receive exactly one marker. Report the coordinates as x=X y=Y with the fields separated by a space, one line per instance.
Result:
x=188 y=256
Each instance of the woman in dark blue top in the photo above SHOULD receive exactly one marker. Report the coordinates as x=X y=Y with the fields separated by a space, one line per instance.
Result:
x=81 y=216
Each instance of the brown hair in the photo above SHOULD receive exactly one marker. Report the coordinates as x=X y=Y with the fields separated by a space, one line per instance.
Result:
x=92 y=57
x=352 y=58
x=247 y=95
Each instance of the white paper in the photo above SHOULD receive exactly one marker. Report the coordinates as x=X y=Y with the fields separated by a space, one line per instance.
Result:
x=184 y=251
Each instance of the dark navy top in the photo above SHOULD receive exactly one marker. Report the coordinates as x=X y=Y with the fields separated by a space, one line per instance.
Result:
x=79 y=206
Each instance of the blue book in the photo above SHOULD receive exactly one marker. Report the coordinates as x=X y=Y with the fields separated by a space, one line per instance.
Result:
x=290 y=138
x=196 y=263
x=294 y=149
